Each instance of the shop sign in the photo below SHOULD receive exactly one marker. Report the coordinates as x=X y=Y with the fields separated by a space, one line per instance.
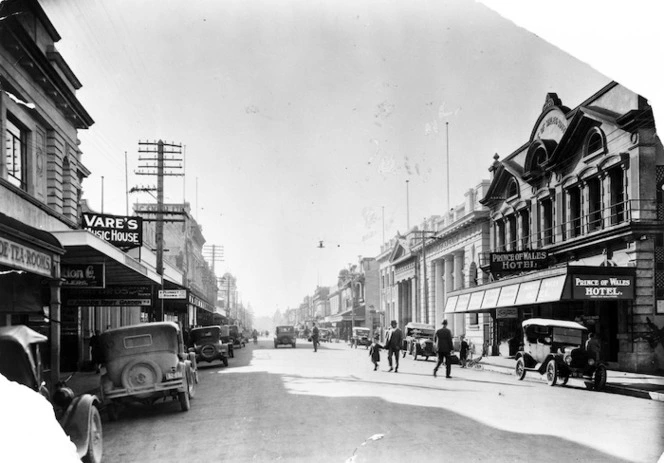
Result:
x=172 y=294
x=515 y=262
x=120 y=231
x=83 y=275
x=22 y=257
x=507 y=312
x=602 y=287
x=111 y=296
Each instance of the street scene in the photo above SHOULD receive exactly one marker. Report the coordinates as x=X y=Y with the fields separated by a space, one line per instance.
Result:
x=355 y=231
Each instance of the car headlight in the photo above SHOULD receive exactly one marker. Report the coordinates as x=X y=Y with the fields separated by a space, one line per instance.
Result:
x=568 y=359
x=591 y=361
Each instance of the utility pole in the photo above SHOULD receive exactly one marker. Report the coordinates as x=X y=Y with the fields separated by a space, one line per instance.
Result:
x=156 y=152
x=213 y=253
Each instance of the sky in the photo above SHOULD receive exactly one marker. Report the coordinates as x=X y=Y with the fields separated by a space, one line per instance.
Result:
x=308 y=121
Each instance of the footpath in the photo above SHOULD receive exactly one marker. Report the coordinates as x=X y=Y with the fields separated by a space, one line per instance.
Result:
x=638 y=385
x=618 y=382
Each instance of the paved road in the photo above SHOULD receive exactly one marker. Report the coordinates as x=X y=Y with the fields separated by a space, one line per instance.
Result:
x=294 y=405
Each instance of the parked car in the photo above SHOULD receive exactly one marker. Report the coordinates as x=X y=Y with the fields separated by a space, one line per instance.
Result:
x=236 y=336
x=225 y=336
x=361 y=336
x=418 y=341
x=284 y=334
x=20 y=361
x=325 y=335
x=206 y=343
x=144 y=363
x=556 y=348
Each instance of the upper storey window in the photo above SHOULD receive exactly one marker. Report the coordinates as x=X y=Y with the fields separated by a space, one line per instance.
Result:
x=595 y=142
x=16 y=154
x=512 y=189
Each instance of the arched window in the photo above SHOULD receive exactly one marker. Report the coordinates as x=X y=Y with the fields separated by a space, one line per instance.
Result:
x=595 y=142
x=512 y=189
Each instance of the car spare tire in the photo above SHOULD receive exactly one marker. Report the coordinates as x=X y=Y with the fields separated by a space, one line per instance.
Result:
x=208 y=352
x=141 y=373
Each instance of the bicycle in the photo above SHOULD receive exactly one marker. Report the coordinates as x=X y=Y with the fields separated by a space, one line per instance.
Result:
x=474 y=363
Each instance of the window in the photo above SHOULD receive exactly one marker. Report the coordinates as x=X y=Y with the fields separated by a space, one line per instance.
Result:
x=525 y=229
x=574 y=195
x=546 y=208
x=594 y=204
x=511 y=228
x=617 y=181
x=15 y=154
x=512 y=189
x=595 y=143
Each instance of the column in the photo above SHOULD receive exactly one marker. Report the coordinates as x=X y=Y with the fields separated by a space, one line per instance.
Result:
x=449 y=284
x=431 y=274
x=413 y=299
x=439 y=294
x=55 y=312
x=459 y=319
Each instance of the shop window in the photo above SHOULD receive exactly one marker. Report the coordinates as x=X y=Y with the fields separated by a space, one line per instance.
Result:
x=546 y=208
x=594 y=204
x=574 y=213
x=473 y=319
x=16 y=154
x=617 y=181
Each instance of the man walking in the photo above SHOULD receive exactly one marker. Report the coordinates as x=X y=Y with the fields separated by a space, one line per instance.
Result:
x=314 y=337
x=393 y=345
x=443 y=340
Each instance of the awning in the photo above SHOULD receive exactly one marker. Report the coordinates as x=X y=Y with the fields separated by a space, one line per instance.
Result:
x=570 y=283
x=83 y=247
x=346 y=316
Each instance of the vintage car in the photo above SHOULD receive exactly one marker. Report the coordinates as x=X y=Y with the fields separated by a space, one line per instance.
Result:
x=284 y=334
x=20 y=361
x=418 y=340
x=236 y=336
x=556 y=348
x=144 y=363
x=361 y=336
x=206 y=343
x=325 y=335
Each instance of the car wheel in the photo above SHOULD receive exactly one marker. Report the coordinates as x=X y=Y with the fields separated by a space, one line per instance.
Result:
x=520 y=369
x=414 y=352
x=185 y=404
x=293 y=345
x=275 y=345
x=207 y=352
x=599 y=379
x=95 y=439
x=551 y=373
x=142 y=372
x=225 y=360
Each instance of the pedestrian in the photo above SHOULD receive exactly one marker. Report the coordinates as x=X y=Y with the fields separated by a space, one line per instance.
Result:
x=593 y=347
x=95 y=351
x=393 y=345
x=463 y=351
x=443 y=340
x=374 y=352
x=314 y=337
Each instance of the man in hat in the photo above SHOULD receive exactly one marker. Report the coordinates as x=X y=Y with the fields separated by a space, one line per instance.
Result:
x=443 y=340
x=393 y=345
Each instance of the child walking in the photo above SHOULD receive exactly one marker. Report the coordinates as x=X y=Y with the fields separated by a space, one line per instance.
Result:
x=374 y=352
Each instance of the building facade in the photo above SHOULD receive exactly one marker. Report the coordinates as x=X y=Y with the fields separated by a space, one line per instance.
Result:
x=577 y=229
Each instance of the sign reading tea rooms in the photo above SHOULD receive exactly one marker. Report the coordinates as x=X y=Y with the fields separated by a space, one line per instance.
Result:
x=120 y=231
x=514 y=262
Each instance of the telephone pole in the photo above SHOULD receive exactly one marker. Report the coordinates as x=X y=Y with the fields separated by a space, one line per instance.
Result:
x=158 y=158
x=213 y=253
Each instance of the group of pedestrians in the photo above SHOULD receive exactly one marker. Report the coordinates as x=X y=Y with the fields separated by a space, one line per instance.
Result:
x=394 y=340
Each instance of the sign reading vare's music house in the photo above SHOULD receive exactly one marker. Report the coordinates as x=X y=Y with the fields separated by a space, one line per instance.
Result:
x=120 y=231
